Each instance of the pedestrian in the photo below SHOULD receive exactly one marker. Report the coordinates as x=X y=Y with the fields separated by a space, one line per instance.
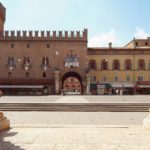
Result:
x=117 y=91
x=121 y=92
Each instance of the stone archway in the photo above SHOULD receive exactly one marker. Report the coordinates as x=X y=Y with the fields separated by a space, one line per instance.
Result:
x=72 y=83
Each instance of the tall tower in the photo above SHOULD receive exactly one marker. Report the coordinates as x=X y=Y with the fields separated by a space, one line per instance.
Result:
x=2 y=16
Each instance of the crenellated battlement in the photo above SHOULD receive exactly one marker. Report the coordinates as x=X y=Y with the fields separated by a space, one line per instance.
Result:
x=44 y=35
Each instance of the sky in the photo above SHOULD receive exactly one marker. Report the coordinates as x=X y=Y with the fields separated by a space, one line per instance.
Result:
x=116 y=21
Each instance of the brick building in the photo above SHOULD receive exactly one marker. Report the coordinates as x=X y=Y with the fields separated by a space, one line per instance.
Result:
x=46 y=62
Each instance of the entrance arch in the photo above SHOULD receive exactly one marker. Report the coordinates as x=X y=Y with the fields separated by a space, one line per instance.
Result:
x=72 y=83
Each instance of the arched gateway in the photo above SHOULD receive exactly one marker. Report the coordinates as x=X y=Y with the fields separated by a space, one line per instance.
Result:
x=72 y=83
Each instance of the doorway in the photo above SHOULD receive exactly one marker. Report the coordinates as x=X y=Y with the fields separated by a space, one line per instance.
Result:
x=72 y=84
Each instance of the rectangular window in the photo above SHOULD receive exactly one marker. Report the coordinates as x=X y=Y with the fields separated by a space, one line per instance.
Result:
x=146 y=43
x=93 y=79
x=12 y=45
x=9 y=74
x=128 y=78
x=26 y=60
x=116 y=78
x=104 y=78
x=27 y=74
x=26 y=64
x=140 y=78
x=11 y=62
x=45 y=61
x=28 y=45
x=44 y=74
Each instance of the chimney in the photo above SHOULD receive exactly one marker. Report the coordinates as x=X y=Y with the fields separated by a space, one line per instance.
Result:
x=110 y=44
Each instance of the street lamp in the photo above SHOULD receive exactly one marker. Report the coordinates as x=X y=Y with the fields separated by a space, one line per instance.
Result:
x=57 y=53
x=19 y=59
x=45 y=67
x=10 y=68
x=26 y=68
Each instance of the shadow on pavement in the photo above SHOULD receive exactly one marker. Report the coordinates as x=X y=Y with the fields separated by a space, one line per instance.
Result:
x=6 y=145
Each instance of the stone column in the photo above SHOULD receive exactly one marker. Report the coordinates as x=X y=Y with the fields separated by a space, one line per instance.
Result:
x=57 y=81
x=88 y=84
x=4 y=122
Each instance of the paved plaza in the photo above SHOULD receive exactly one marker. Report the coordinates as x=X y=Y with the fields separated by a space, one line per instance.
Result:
x=76 y=99
x=50 y=119
x=75 y=130
x=75 y=138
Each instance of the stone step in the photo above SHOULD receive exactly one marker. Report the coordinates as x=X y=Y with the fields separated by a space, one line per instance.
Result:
x=80 y=107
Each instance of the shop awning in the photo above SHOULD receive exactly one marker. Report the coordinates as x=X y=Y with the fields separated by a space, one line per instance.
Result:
x=100 y=86
x=117 y=85
x=104 y=85
x=21 y=86
x=128 y=85
x=93 y=86
x=122 y=85
x=143 y=84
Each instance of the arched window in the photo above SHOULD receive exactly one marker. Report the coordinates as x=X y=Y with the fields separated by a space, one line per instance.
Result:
x=141 y=64
x=116 y=64
x=128 y=64
x=104 y=64
x=92 y=64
